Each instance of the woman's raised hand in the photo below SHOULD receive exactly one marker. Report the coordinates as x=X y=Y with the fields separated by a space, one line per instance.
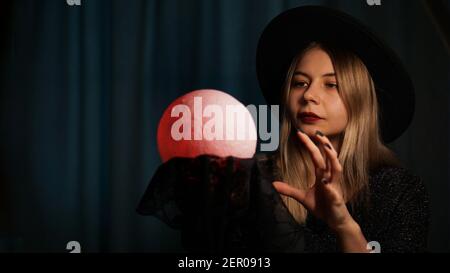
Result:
x=325 y=198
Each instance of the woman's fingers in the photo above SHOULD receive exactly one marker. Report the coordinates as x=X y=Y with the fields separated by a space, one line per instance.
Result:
x=290 y=191
x=327 y=173
x=313 y=150
x=332 y=156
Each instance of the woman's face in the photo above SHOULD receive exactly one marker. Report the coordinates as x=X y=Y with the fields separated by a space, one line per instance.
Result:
x=314 y=89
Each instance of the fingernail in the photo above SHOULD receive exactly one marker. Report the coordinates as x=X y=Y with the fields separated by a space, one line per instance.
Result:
x=319 y=133
x=324 y=180
x=328 y=146
x=300 y=130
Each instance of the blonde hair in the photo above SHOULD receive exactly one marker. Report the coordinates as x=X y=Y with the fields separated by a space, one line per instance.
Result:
x=361 y=147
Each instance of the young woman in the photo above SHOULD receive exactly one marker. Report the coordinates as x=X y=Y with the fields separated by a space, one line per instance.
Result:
x=332 y=185
x=318 y=133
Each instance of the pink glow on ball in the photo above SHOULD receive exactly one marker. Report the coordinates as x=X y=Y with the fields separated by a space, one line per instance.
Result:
x=219 y=125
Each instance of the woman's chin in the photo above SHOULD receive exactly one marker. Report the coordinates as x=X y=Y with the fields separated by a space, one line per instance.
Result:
x=309 y=129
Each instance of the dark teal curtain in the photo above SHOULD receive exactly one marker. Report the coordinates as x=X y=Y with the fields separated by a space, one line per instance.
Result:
x=83 y=88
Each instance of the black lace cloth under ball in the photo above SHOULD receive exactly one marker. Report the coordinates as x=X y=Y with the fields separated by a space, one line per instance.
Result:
x=229 y=205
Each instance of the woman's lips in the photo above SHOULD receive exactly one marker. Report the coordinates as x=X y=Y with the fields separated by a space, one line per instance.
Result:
x=309 y=119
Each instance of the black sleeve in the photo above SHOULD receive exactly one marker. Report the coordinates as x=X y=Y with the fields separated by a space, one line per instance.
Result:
x=407 y=225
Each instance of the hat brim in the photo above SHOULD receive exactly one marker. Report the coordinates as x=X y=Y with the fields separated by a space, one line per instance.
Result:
x=294 y=29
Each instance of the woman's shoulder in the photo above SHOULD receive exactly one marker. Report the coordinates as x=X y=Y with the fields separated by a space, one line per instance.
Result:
x=396 y=182
x=396 y=175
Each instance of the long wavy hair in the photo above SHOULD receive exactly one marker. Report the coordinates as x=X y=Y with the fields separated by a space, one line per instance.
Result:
x=361 y=147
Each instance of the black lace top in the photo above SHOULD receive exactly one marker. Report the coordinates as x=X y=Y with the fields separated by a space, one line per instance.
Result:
x=229 y=205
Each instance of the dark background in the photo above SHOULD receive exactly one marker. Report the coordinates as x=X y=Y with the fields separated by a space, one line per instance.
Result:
x=83 y=88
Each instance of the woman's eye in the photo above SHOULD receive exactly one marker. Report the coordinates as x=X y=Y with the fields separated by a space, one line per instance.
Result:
x=331 y=85
x=300 y=84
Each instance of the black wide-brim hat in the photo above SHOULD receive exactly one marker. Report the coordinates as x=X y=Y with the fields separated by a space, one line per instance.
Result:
x=291 y=31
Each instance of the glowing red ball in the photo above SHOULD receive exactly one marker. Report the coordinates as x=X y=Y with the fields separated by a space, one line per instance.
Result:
x=206 y=122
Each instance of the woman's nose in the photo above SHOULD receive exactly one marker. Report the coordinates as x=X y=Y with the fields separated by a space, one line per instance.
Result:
x=312 y=94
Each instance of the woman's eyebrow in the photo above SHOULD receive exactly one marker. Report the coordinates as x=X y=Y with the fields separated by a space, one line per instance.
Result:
x=329 y=74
